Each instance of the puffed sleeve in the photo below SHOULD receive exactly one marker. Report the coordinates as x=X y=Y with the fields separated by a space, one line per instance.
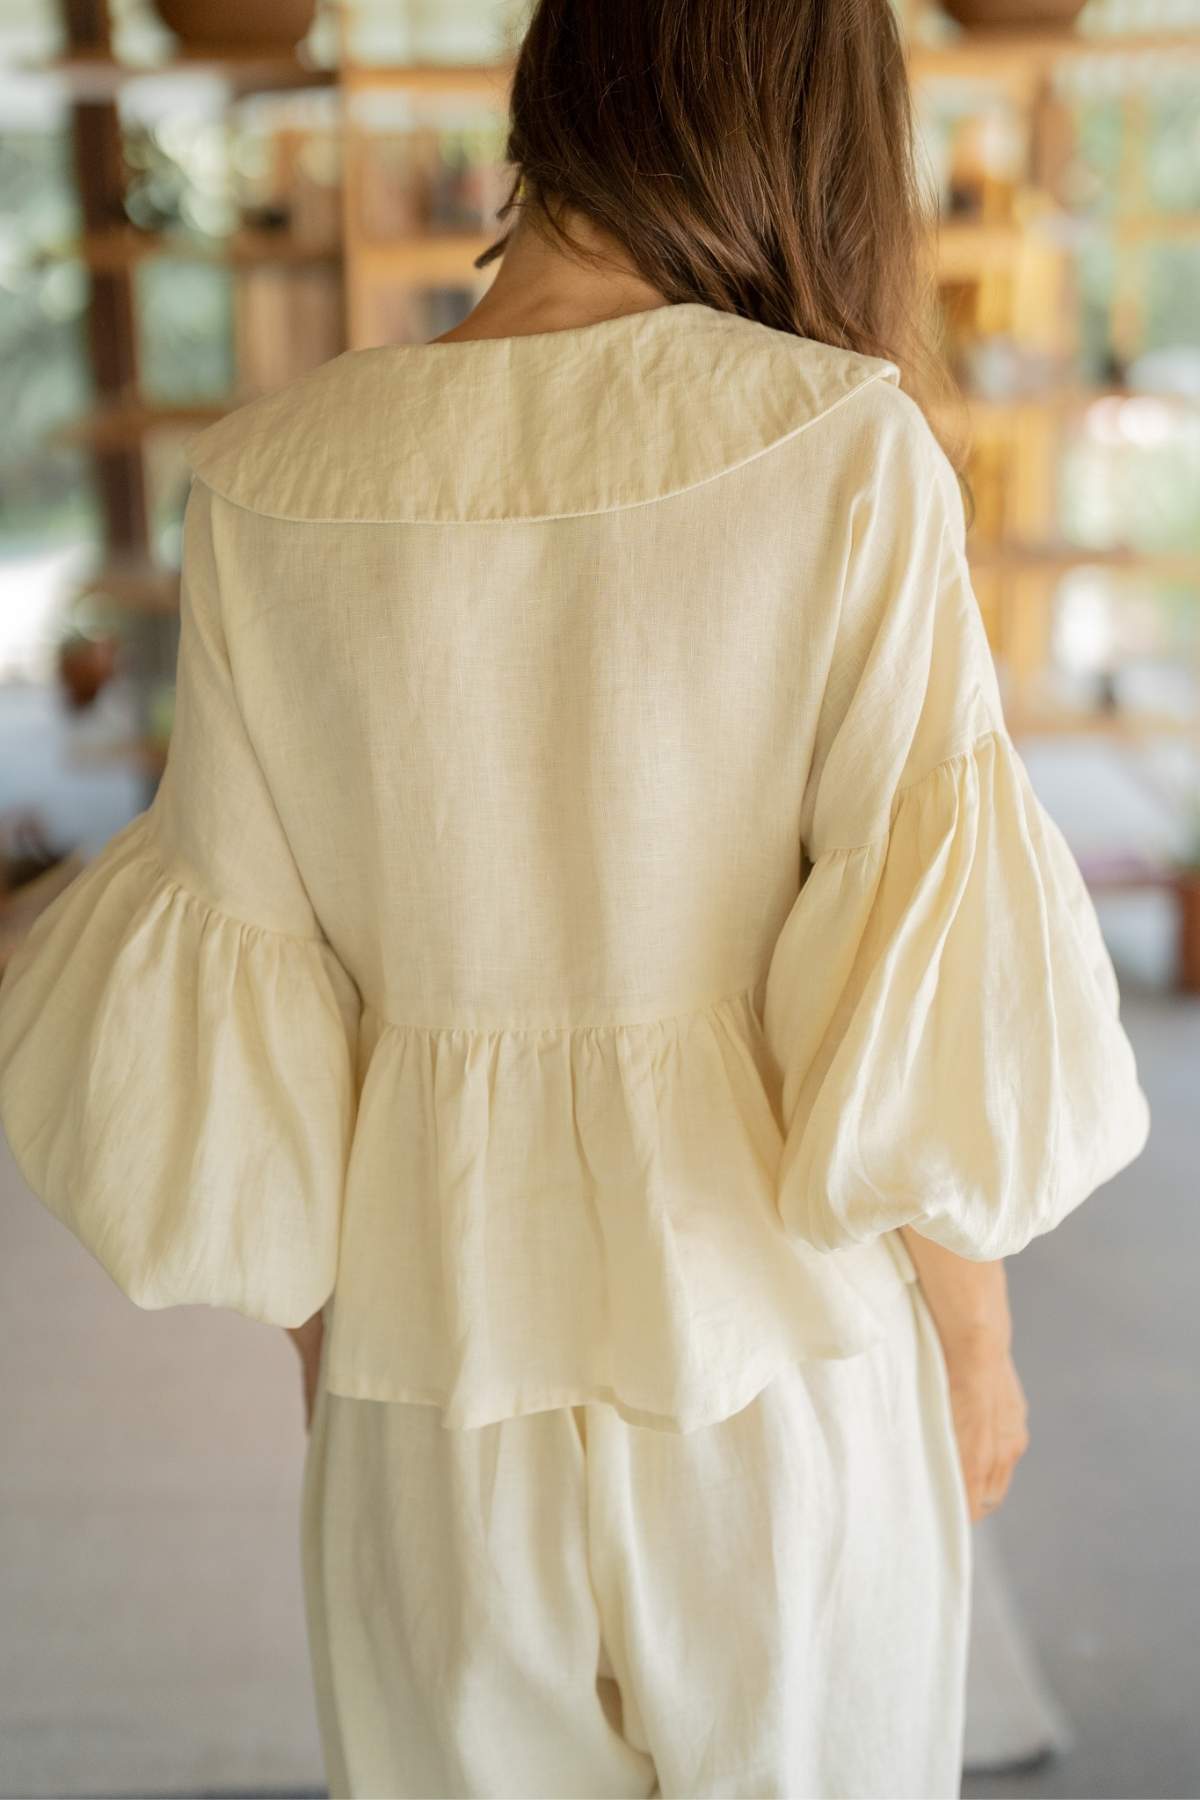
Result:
x=177 y=1036
x=940 y=1003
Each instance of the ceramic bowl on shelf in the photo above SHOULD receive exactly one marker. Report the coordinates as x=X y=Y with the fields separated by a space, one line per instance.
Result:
x=86 y=664
x=272 y=25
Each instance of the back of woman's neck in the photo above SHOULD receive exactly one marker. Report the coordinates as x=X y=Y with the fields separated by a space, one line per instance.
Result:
x=539 y=287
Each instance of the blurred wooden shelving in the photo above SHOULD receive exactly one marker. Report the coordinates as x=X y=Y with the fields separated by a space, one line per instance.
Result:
x=481 y=81
x=434 y=259
x=967 y=248
x=1065 y=399
x=997 y=259
x=1162 y=565
x=1121 y=728
x=123 y=422
x=147 y=754
x=140 y=584
x=1006 y=269
x=119 y=248
x=378 y=269
x=91 y=73
x=1027 y=56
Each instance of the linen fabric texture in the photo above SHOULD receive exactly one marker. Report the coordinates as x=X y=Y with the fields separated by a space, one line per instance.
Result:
x=568 y=1604
x=593 y=898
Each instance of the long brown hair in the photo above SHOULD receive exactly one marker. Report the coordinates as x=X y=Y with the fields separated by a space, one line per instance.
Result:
x=757 y=156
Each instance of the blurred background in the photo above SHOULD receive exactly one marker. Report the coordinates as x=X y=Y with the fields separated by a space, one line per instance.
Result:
x=199 y=200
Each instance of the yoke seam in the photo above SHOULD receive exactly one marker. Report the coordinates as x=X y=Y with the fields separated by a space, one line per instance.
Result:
x=568 y=1027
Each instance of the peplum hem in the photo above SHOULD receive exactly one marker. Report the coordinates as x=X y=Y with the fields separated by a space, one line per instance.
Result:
x=542 y=1218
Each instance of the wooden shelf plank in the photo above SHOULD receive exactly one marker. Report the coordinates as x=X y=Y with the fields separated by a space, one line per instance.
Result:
x=136 y=583
x=1131 y=871
x=107 y=252
x=987 y=409
x=968 y=248
x=127 y=422
x=147 y=754
x=1121 y=727
x=994 y=54
x=1023 y=55
x=991 y=55
x=431 y=261
x=1164 y=565
x=485 y=81
x=1152 y=227
x=95 y=75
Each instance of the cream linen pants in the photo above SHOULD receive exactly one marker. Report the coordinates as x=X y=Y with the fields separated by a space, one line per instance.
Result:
x=563 y=1604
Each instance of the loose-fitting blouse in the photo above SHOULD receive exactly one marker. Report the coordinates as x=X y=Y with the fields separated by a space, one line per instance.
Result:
x=593 y=898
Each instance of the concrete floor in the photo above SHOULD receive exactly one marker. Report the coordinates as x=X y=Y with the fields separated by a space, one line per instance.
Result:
x=151 y=1625
x=1099 y=1534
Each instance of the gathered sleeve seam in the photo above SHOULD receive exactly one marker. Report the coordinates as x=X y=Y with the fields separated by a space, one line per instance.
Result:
x=964 y=754
x=152 y=852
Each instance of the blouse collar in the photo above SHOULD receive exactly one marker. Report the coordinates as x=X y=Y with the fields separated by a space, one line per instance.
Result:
x=550 y=425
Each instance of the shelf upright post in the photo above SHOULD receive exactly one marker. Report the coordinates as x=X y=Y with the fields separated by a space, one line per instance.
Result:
x=112 y=329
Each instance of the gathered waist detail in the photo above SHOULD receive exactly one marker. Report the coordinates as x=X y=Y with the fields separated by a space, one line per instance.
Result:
x=541 y=1217
x=506 y=1216
x=606 y=1018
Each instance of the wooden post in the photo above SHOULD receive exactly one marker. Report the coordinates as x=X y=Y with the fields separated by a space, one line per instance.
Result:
x=112 y=328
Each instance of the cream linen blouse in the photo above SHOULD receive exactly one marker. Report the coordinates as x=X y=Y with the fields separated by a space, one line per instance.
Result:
x=592 y=899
